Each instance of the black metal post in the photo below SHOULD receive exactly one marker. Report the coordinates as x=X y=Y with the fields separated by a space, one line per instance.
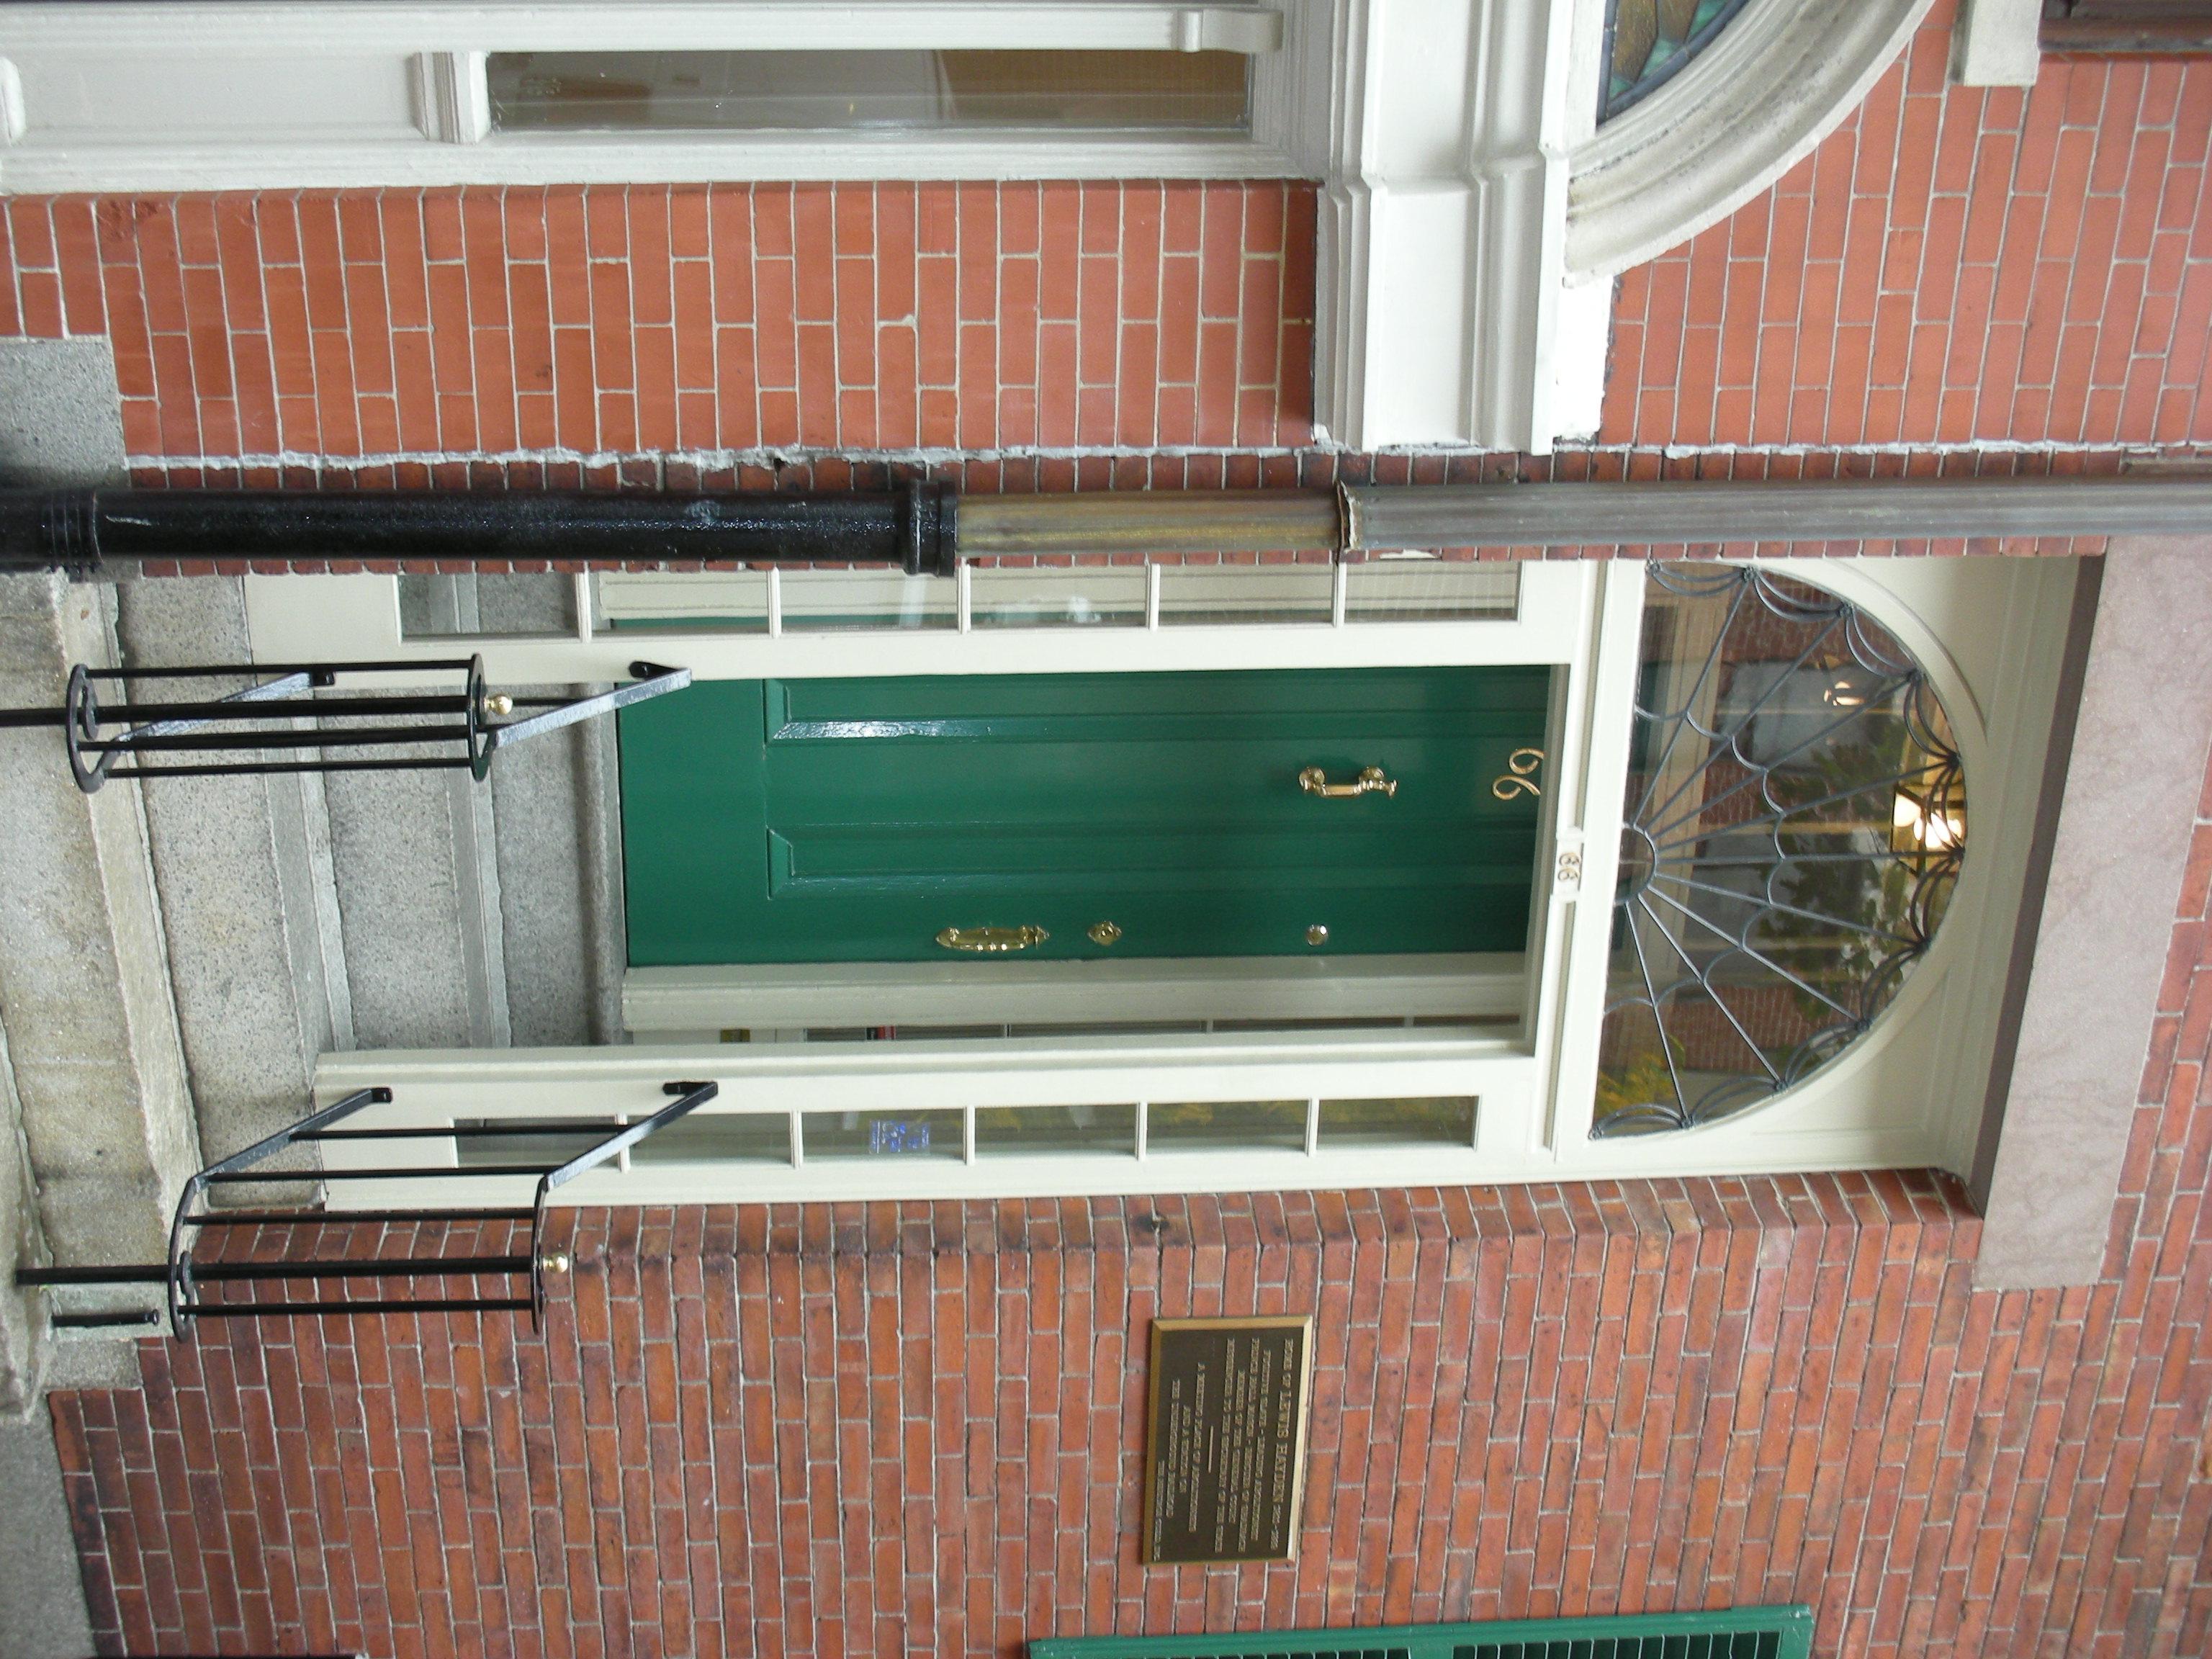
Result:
x=81 y=531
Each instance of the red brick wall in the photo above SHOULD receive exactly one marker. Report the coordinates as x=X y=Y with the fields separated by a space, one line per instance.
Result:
x=617 y=321
x=1953 y=265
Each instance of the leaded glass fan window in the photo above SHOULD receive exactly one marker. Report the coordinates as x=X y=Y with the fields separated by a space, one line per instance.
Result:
x=1646 y=42
x=1796 y=818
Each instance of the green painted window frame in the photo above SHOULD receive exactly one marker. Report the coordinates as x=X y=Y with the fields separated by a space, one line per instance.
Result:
x=1765 y=1633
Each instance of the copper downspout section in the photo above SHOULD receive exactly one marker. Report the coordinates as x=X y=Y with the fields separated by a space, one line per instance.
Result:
x=1151 y=521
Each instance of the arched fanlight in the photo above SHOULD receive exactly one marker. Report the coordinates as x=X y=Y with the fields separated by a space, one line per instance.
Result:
x=1648 y=42
x=1796 y=818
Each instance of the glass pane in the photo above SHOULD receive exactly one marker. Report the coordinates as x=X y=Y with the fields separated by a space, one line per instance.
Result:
x=724 y=601
x=882 y=1134
x=543 y=1143
x=1221 y=593
x=823 y=601
x=1431 y=590
x=503 y=604
x=1437 y=1121
x=1649 y=41
x=1225 y=1125
x=900 y=91
x=1086 y=596
x=733 y=1137
x=540 y=1142
x=1032 y=1131
x=1797 y=818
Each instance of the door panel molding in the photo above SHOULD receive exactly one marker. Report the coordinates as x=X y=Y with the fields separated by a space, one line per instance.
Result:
x=777 y=995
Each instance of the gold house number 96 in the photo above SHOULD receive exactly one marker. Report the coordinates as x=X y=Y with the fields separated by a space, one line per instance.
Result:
x=1519 y=777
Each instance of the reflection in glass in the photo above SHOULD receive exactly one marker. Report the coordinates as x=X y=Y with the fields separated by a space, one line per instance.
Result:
x=498 y=604
x=827 y=601
x=1431 y=590
x=1434 y=1121
x=1797 y=818
x=1058 y=1131
x=671 y=601
x=1219 y=593
x=743 y=1137
x=1225 y=1125
x=1082 y=596
x=702 y=1137
x=932 y=1133
x=859 y=90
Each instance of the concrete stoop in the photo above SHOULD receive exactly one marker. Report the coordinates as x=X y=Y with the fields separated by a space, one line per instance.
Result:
x=102 y=1110
x=176 y=953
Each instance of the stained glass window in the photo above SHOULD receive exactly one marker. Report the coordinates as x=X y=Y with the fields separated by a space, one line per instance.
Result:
x=1797 y=817
x=1649 y=41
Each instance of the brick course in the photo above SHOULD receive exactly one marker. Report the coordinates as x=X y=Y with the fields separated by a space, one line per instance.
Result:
x=641 y=319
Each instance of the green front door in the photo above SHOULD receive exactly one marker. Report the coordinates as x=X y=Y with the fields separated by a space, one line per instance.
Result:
x=901 y=820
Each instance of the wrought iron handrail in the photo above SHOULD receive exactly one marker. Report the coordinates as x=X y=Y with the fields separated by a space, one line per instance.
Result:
x=232 y=733
x=182 y=1275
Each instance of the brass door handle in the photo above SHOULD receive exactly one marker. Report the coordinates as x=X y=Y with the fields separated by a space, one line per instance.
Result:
x=1370 y=780
x=993 y=940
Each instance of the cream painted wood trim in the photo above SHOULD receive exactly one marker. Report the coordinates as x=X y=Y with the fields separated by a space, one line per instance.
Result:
x=778 y=996
x=357 y=618
x=1778 y=79
x=1442 y=223
x=1991 y=633
x=316 y=27
x=224 y=94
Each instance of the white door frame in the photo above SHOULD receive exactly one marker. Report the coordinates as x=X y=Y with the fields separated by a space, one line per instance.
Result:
x=1909 y=1094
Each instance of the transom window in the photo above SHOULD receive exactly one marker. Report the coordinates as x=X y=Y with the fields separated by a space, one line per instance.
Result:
x=896 y=91
x=1796 y=821
x=1649 y=42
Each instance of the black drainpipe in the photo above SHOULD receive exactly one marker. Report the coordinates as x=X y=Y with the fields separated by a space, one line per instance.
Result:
x=84 y=530
x=925 y=530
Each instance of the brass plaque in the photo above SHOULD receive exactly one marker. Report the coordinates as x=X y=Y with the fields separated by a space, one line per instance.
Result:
x=1225 y=1438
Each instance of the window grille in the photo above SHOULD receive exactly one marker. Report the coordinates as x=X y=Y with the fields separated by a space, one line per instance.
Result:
x=1777 y=1632
x=1796 y=822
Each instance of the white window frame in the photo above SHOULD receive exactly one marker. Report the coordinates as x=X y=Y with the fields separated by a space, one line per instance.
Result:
x=1991 y=634
x=336 y=93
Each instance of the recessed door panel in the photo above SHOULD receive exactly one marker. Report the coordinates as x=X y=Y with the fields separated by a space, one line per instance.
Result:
x=1080 y=814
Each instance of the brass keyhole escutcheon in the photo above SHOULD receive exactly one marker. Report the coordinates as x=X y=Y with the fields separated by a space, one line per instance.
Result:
x=1316 y=934
x=1103 y=933
x=993 y=941
x=1519 y=777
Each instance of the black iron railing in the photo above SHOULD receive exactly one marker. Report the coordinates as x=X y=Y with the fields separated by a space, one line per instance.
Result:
x=200 y=1281
x=279 y=723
